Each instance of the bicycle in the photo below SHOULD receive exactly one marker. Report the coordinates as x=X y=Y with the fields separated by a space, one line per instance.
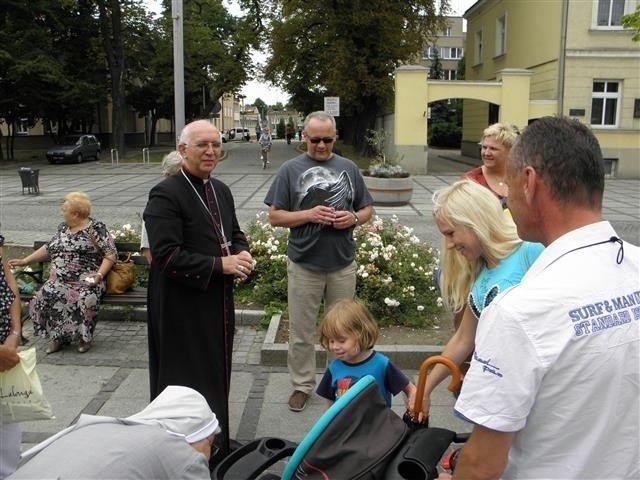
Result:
x=264 y=155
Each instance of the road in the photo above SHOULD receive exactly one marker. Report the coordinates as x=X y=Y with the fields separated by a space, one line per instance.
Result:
x=119 y=193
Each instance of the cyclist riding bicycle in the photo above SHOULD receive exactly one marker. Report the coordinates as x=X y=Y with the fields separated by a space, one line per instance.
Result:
x=265 y=147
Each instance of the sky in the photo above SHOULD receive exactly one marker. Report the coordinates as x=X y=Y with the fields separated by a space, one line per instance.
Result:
x=269 y=93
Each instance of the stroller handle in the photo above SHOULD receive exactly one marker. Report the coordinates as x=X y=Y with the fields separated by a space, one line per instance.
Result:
x=456 y=378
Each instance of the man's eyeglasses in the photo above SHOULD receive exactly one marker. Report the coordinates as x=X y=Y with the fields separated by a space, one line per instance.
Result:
x=204 y=145
x=326 y=140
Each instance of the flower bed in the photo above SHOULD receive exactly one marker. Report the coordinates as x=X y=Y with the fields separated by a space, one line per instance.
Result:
x=394 y=277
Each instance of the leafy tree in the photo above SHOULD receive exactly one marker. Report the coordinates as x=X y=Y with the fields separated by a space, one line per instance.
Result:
x=81 y=86
x=110 y=16
x=149 y=82
x=50 y=68
x=262 y=107
x=442 y=110
x=632 y=20
x=349 y=49
x=216 y=59
x=436 y=71
x=280 y=128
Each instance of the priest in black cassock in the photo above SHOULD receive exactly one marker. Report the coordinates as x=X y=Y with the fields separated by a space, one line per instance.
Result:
x=198 y=249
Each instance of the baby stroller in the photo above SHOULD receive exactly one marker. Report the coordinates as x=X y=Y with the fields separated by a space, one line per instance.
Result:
x=358 y=437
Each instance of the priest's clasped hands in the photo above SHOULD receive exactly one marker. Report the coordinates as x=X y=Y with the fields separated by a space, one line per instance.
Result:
x=240 y=265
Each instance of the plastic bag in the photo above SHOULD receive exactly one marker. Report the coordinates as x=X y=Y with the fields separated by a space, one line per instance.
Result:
x=21 y=395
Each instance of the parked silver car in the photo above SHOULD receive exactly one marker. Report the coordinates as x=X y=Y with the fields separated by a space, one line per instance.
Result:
x=75 y=148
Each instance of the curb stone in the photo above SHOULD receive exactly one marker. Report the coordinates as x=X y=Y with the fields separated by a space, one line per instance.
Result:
x=403 y=356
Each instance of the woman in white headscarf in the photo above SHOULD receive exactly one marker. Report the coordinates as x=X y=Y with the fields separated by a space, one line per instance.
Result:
x=170 y=438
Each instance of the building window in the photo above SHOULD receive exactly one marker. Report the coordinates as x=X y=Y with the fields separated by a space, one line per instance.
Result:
x=501 y=36
x=450 y=75
x=477 y=58
x=446 y=32
x=452 y=53
x=50 y=127
x=22 y=126
x=430 y=52
x=609 y=13
x=604 y=103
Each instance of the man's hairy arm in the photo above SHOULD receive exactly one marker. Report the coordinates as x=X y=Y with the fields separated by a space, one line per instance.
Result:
x=284 y=218
x=485 y=455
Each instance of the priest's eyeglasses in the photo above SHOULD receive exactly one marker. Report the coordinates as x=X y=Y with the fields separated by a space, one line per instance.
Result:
x=205 y=145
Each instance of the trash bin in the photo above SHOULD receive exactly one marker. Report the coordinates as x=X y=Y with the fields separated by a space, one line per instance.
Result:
x=29 y=177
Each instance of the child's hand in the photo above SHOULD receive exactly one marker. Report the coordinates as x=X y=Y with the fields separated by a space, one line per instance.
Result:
x=410 y=392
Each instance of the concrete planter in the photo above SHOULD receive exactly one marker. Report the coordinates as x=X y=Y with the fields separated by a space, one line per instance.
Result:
x=389 y=191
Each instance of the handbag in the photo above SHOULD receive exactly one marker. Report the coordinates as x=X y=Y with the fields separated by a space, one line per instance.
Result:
x=120 y=277
x=21 y=396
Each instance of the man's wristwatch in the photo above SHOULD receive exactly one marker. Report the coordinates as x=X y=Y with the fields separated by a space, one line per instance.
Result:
x=357 y=220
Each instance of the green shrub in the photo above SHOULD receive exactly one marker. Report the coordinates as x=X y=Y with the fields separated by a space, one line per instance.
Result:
x=394 y=277
x=444 y=134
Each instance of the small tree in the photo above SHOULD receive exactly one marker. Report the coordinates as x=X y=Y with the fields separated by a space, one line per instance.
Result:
x=632 y=20
x=381 y=166
x=280 y=128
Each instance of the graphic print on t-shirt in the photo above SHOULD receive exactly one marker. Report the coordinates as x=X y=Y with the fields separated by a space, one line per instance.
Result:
x=322 y=186
x=343 y=384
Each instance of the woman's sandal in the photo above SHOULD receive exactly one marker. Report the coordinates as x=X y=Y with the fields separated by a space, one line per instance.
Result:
x=84 y=347
x=53 y=346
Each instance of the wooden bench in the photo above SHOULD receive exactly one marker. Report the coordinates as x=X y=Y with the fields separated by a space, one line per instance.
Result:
x=136 y=296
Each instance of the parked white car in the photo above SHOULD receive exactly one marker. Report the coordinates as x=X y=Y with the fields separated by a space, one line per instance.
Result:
x=236 y=134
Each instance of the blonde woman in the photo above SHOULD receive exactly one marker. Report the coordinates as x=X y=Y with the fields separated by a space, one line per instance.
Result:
x=481 y=257
x=349 y=331
x=497 y=140
x=81 y=252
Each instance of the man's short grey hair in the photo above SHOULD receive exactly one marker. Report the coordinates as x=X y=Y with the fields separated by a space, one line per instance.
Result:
x=322 y=116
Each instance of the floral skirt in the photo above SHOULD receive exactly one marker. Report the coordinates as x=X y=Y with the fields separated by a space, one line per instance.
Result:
x=65 y=312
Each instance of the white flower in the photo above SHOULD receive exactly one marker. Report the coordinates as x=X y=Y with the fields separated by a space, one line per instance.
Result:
x=420 y=308
x=391 y=302
x=364 y=274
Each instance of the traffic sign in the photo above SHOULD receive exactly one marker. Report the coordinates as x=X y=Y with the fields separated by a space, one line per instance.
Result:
x=332 y=106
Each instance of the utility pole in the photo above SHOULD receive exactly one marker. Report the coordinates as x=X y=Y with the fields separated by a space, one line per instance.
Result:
x=178 y=66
